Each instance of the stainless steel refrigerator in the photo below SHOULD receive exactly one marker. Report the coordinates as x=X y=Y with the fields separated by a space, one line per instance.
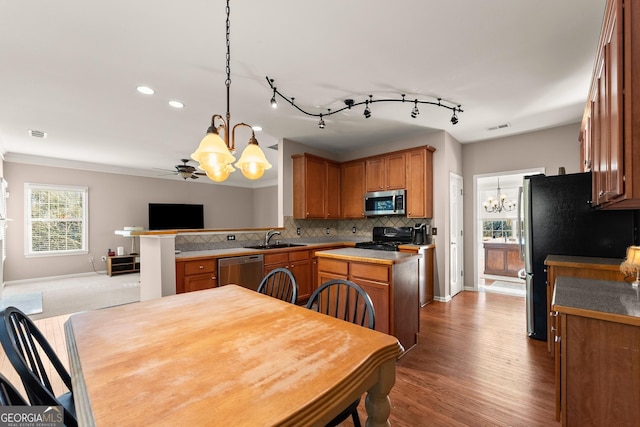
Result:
x=556 y=217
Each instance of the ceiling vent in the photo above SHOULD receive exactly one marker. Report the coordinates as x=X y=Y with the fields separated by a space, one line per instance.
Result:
x=274 y=147
x=502 y=126
x=37 y=133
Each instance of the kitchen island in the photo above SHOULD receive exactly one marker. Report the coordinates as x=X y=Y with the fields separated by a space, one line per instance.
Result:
x=502 y=258
x=390 y=278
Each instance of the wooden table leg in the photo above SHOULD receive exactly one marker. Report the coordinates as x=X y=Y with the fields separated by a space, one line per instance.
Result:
x=377 y=403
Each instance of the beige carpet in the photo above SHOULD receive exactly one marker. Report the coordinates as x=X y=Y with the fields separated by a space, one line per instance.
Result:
x=71 y=295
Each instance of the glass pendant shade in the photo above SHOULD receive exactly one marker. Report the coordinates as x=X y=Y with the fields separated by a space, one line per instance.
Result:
x=212 y=152
x=219 y=173
x=253 y=163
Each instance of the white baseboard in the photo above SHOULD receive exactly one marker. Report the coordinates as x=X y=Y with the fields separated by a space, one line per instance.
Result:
x=42 y=279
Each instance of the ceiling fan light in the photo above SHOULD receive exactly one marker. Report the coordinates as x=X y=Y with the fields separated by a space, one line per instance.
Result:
x=253 y=162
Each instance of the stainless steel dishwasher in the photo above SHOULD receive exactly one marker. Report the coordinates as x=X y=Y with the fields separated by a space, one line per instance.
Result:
x=246 y=271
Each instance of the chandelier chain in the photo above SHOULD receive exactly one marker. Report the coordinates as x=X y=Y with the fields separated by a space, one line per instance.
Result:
x=228 y=67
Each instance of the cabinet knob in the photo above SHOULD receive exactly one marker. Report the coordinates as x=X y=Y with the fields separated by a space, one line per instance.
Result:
x=557 y=339
x=201 y=267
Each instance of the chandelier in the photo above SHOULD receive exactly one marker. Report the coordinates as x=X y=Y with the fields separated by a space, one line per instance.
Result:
x=350 y=103
x=500 y=203
x=215 y=155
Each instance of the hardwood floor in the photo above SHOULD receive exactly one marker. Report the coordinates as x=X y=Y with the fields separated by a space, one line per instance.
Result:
x=474 y=366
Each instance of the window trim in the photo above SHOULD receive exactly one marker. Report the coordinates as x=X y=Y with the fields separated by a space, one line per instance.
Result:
x=28 y=188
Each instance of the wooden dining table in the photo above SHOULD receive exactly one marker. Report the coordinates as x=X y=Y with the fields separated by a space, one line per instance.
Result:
x=226 y=356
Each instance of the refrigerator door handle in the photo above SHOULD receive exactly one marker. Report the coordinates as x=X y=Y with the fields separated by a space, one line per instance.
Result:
x=519 y=224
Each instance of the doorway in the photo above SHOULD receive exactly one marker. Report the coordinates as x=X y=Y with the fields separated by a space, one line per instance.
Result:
x=498 y=263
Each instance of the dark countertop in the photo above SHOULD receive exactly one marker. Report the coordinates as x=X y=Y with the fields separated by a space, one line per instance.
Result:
x=601 y=299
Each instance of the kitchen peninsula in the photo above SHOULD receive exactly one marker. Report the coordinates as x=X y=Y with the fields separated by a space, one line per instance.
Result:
x=390 y=278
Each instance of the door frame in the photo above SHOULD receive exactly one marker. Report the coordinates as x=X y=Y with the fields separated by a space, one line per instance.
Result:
x=456 y=233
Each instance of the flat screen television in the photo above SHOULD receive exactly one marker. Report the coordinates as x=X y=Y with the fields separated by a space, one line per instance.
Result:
x=175 y=216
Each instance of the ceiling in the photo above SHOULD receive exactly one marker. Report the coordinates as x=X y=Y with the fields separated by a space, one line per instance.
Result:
x=71 y=69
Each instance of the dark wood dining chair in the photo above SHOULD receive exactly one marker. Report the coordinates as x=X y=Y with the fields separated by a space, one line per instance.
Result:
x=33 y=357
x=9 y=396
x=344 y=300
x=280 y=283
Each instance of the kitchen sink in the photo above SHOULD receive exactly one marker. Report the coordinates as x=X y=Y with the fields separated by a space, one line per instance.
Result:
x=275 y=246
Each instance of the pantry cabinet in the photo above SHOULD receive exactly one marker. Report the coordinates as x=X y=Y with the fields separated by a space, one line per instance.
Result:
x=610 y=131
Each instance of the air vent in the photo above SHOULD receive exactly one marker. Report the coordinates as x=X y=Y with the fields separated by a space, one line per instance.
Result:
x=274 y=147
x=37 y=133
x=502 y=126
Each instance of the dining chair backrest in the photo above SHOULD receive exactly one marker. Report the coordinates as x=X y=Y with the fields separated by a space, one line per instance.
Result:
x=280 y=283
x=9 y=396
x=35 y=361
x=344 y=300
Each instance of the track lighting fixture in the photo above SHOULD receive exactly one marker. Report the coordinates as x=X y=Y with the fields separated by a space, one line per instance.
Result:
x=367 y=111
x=415 y=111
x=349 y=103
x=454 y=118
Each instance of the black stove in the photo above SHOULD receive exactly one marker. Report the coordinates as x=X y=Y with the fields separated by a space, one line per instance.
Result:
x=388 y=238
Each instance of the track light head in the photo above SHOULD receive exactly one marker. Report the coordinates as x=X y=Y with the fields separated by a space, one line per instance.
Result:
x=415 y=111
x=367 y=111
x=274 y=103
x=321 y=122
x=454 y=118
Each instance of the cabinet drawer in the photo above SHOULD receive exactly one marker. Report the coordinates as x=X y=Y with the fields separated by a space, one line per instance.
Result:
x=333 y=266
x=276 y=258
x=298 y=255
x=379 y=273
x=200 y=266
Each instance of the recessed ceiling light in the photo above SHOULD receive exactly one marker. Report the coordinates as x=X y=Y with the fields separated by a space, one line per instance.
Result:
x=176 y=104
x=256 y=128
x=146 y=90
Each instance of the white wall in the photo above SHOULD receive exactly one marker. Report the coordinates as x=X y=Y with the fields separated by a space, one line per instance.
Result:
x=116 y=201
x=549 y=149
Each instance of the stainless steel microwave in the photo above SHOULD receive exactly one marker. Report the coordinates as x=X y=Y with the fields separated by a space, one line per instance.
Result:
x=392 y=202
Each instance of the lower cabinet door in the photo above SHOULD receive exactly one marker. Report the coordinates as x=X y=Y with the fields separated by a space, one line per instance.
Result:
x=199 y=282
x=379 y=294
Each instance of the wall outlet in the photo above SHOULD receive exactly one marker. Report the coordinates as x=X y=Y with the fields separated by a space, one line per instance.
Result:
x=328 y=231
x=104 y=258
x=298 y=231
x=434 y=231
x=353 y=229
x=231 y=237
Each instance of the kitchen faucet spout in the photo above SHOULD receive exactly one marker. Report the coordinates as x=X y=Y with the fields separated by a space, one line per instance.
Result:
x=269 y=235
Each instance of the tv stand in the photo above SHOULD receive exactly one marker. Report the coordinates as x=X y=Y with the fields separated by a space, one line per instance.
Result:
x=123 y=264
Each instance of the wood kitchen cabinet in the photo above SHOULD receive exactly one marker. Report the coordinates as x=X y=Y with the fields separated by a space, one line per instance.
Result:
x=316 y=187
x=299 y=263
x=610 y=133
x=386 y=172
x=598 y=353
x=419 y=181
x=576 y=266
x=352 y=189
x=195 y=275
x=392 y=287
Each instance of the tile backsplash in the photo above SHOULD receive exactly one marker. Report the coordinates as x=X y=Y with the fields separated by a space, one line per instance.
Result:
x=313 y=230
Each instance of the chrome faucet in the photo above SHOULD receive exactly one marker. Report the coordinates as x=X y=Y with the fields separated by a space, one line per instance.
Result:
x=269 y=235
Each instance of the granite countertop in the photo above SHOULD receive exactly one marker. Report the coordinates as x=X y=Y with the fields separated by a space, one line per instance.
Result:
x=368 y=255
x=601 y=299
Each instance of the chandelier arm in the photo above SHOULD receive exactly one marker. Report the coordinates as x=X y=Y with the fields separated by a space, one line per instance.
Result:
x=233 y=134
x=455 y=109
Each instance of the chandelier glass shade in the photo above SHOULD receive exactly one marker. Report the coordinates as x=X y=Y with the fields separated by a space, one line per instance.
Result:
x=215 y=154
x=499 y=203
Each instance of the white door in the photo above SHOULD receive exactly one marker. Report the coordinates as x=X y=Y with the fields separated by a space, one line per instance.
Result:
x=456 y=271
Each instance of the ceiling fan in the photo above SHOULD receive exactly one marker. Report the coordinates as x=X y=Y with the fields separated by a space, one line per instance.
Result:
x=186 y=171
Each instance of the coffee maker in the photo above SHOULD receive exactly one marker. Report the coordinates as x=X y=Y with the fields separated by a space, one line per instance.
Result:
x=420 y=234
